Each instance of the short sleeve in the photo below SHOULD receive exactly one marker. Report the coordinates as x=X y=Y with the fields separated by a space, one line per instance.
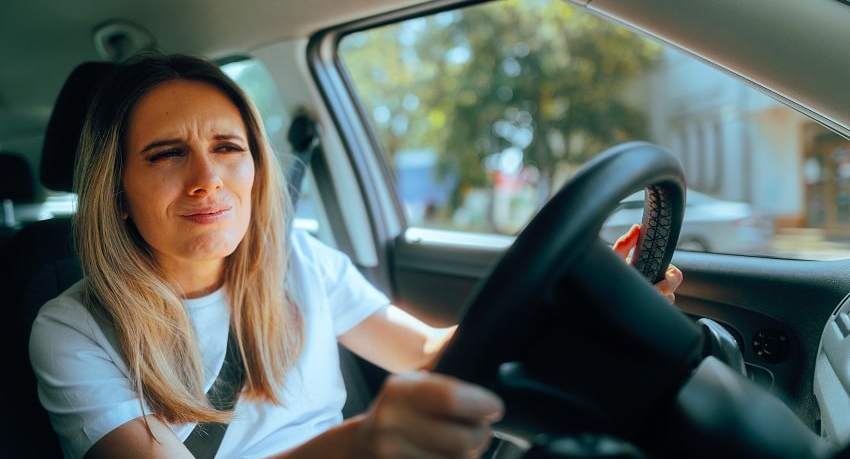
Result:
x=83 y=389
x=350 y=296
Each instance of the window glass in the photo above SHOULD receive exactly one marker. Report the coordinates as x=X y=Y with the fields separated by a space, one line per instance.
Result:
x=485 y=112
x=254 y=78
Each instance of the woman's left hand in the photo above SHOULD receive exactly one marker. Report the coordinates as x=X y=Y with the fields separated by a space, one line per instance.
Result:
x=673 y=276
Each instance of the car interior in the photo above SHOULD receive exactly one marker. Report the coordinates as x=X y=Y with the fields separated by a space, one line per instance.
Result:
x=752 y=359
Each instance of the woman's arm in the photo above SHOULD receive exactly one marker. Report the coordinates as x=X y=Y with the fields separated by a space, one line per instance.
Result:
x=410 y=412
x=132 y=440
x=397 y=341
x=415 y=415
x=339 y=442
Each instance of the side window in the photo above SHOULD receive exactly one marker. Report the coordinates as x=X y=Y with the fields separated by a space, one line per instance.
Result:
x=486 y=111
x=254 y=78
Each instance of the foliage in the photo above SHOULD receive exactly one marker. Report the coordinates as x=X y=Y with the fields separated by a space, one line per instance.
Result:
x=536 y=78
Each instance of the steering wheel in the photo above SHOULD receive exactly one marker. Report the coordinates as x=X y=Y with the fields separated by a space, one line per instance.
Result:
x=562 y=328
x=576 y=341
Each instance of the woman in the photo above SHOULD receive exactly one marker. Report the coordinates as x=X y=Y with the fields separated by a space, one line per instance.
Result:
x=180 y=230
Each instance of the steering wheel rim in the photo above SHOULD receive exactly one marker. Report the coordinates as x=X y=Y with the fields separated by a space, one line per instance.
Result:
x=559 y=256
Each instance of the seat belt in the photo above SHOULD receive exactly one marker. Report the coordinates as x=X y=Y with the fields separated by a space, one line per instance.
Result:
x=205 y=439
x=303 y=137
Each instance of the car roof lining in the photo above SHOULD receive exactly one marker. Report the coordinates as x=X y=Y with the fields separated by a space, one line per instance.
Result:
x=41 y=41
x=40 y=52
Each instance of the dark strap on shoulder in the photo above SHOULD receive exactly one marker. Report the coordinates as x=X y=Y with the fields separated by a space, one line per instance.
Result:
x=303 y=136
x=206 y=438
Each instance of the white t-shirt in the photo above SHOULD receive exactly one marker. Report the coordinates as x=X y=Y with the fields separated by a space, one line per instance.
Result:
x=83 y=381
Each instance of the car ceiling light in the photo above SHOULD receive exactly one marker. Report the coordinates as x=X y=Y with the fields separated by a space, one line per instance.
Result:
x=118 y=40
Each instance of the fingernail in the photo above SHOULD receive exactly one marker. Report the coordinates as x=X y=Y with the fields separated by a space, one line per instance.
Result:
x=495 y=416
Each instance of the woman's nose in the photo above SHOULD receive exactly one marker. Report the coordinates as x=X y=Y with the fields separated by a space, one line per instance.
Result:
x=204 y=177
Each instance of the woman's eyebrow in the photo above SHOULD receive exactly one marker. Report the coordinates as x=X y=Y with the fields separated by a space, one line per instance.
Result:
x=228 y=137
x=167 y=142
x=160 y=143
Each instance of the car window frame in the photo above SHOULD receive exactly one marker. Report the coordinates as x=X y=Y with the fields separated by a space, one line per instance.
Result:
x=367 y=155
x=360 y=139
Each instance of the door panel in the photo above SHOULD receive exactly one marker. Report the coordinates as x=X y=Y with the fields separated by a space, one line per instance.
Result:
x=757 y=295
x=433 y=281
x=774 y=305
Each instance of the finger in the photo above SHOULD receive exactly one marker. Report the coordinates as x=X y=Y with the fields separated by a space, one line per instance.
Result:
x=478 y=452
x=627 y=242
x=392 y=445
x=663 y=287
x=674 y=276
x=672 y=281
x=671 y=297
x=445 y=396
x=442 y=436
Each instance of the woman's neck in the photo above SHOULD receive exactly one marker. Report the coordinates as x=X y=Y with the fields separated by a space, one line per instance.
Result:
x=194 y=278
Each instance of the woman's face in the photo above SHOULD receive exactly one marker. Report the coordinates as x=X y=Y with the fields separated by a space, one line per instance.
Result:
x=189 y=172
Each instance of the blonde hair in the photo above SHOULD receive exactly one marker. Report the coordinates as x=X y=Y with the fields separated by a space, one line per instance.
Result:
x=124 y=285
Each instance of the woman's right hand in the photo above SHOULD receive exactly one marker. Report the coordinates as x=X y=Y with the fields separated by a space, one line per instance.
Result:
x=427 y=415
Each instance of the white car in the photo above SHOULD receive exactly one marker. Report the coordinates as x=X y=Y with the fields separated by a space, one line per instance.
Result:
x=710 y=225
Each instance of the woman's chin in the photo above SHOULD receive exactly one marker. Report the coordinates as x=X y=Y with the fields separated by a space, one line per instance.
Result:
x=208 y=248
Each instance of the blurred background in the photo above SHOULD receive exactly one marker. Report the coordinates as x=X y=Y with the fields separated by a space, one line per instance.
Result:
x=485 y=112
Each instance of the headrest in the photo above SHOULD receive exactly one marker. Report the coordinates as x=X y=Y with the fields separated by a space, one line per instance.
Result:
x=16 y=180
x=66 y=124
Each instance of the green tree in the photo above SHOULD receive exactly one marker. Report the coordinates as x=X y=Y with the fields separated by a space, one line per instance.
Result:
x=535 y=76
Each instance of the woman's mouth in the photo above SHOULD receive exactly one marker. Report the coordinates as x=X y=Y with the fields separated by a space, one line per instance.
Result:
x=204 y=216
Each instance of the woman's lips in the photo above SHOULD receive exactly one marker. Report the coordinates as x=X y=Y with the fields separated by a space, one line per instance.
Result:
x=207 y=216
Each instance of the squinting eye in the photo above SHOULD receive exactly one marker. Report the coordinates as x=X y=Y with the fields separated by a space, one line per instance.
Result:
x=165 y=154
x=229 y=147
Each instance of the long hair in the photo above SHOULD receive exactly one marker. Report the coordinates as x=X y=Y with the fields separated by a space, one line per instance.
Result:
x=125 y=286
